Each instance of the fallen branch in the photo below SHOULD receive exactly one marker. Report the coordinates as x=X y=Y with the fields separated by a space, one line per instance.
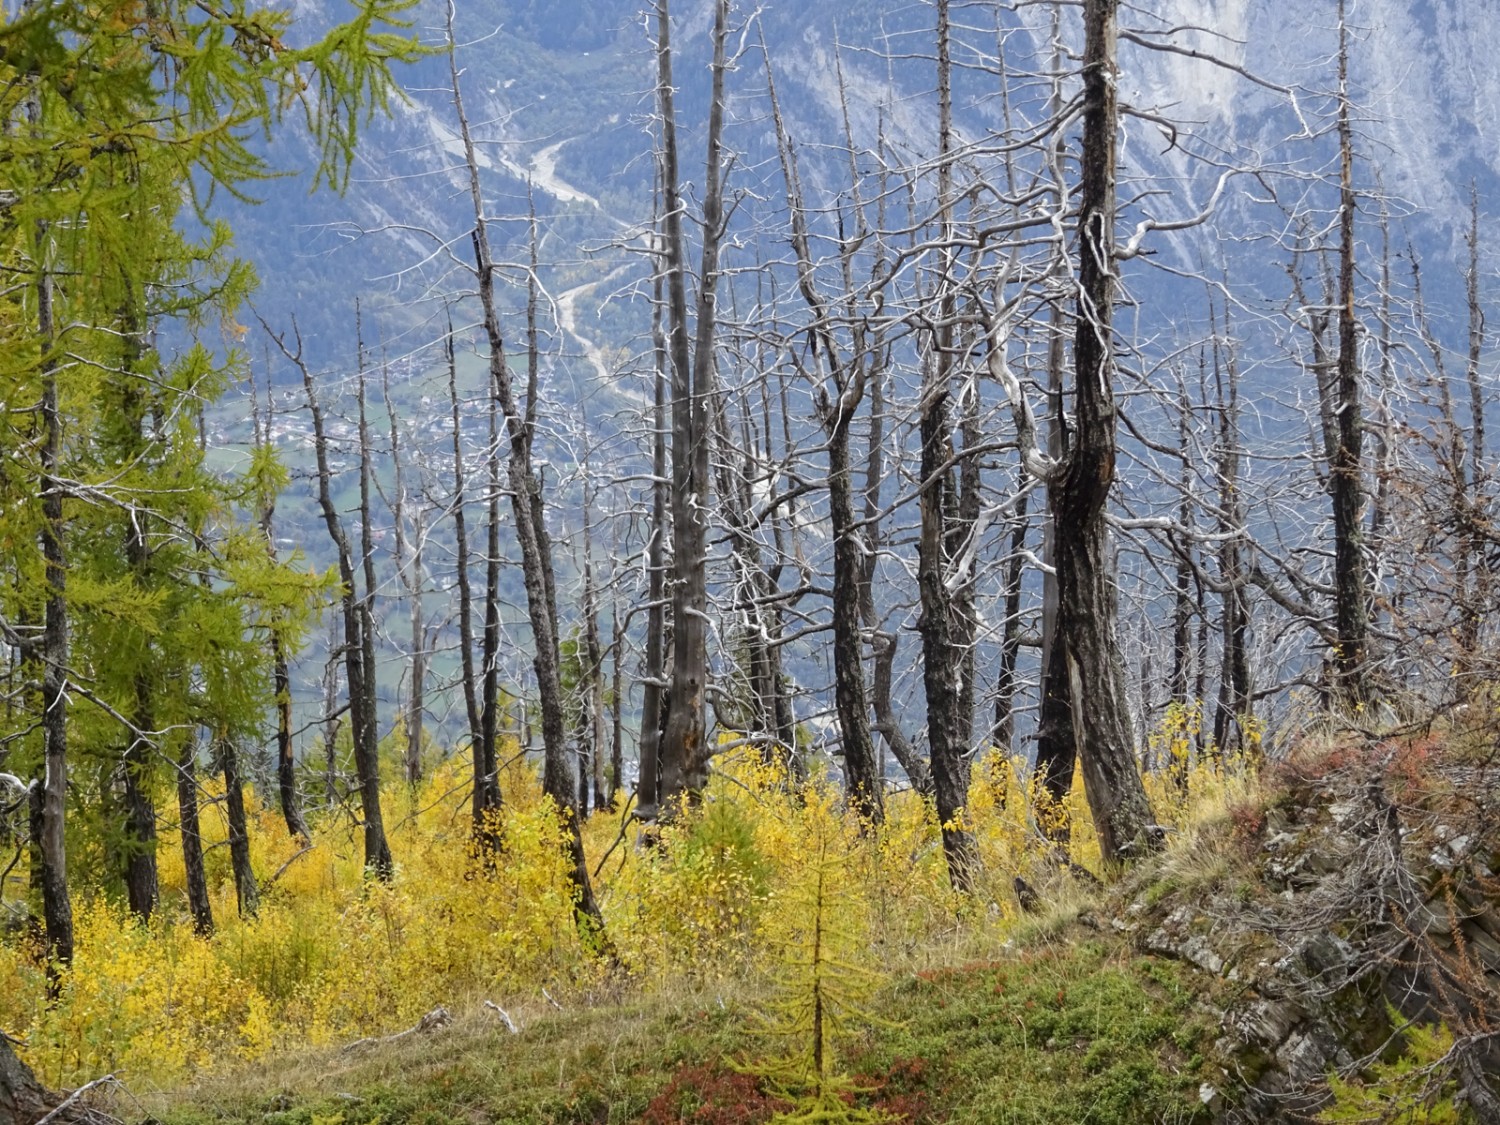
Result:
x=280 y=871
x=510 y=1024
x=52 y=1115
x=438 y=1018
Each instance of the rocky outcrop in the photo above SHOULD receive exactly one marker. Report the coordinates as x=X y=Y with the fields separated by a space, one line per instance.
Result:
x=1365 y=888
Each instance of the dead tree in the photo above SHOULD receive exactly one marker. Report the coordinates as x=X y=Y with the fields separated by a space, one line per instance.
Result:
x=524 y=485
x=359 y=673
x=684 y=751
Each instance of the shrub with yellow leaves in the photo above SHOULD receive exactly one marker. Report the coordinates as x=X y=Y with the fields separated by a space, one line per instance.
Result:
x=333 y=956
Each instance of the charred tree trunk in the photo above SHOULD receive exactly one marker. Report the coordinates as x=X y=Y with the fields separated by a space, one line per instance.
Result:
x=367 y=746
x=141 y=884
x=57 y=907
x=1003 y=734
x=943 y=625
x=22 y=1098
x=594 y=663
x=247 y=892
x=192 y=840
x=487 y=797
x=525 y=487
x=648 y=780
x=861 y=780
x=1235 y=708
x=684 y=753
x=356 y=670
x=1346 y=484
x=616 y=713
x=1057 y=742
x=1086 y=638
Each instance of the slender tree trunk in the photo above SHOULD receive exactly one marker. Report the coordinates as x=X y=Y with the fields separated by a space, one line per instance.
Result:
x=1346 y=484
x=648 y=781
x=57 y=907
x=487 y=760
x=247 y=892
x=281 y=679
x=192 y=839
x=616 y=710
x=1235 y=709
x=525 y=486
x=847 y=377
x=942 y=623
x=864 y=786
x=1086 y=616
x=1003 y=735
x=594 y=658
x=356 y=670
x=472 y=709
x=331 y=712
x=141 y=883
x=409 y=570
x=684 y=752
x=1057 y=743
x=1472 y=540
x=367 y=743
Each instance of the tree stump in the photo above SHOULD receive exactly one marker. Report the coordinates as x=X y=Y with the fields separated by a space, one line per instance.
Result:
x=22 y=1099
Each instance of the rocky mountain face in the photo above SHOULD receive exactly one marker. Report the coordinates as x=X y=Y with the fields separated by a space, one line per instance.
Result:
x=560 y=98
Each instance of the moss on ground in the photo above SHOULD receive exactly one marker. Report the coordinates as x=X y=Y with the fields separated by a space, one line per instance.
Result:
x=1071 y=1032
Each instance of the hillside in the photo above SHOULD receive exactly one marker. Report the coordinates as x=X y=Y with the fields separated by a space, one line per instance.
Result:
x=1339 y=921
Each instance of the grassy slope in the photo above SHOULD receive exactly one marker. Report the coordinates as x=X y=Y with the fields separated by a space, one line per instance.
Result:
x=1072 y=1028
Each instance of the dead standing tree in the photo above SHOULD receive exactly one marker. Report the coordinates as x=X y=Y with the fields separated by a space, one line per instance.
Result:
x=837 y=402
x=684 y=752
x=1079 y=495
x=358 y=626
x=525 y=490
x=1079 y=483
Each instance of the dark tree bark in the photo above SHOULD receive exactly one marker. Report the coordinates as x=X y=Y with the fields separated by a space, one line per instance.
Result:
x=1057 y=743
x=1003 y=734
x=57 y=908
x=247 y=891
x=281 y=679
x=616 y=711
x=1086 y=616
x=945 y=625
x=525 y=489
x=593 y=653
x=22 y=1099
x=331 y=711
x=684 y=751
x=357 y=670
x=367 y=747
x=648 y=780
x=487 y=799
x=141 y=883
x=1346 y=484
x=192 y=839
x=1235 y=705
